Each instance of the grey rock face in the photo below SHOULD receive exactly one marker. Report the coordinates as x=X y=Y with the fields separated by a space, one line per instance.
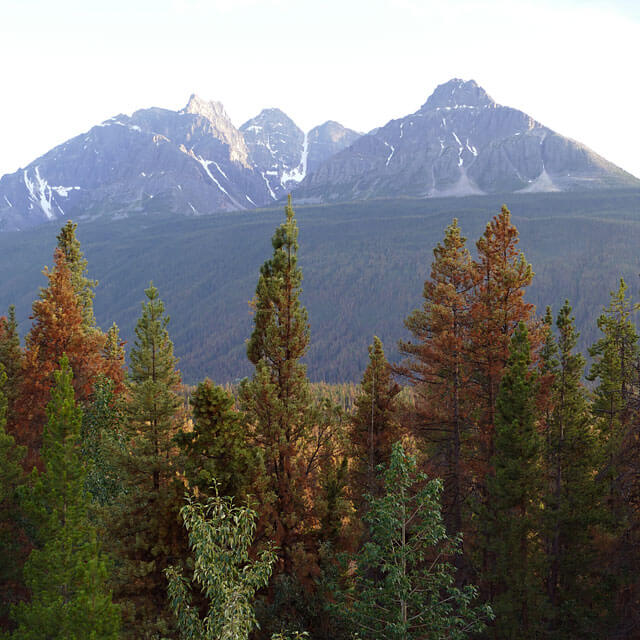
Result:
x=284 y=155
x=190 y=162
x=326 y=140
x=460 y=142
x=278 y=149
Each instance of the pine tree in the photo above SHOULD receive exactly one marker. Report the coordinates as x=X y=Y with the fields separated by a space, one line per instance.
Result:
x=66 y=571
x=77 y=263
x=11 y=557
x=114 y=356
x=144 y=519
x=437 y=367
x=10 y=358
x=278 y=405
x=216 y=448
x=512 y=516
x=404 y=586
x=57 y=329
x=375 y=426
x=572 y=511
x=503 y=274
x=615 y=370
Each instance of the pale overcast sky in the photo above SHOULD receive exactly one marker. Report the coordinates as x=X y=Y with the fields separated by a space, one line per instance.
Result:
x=69 y=64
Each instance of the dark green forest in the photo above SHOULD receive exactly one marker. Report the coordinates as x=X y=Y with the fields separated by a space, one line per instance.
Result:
x=482 y=479
x=364 y=265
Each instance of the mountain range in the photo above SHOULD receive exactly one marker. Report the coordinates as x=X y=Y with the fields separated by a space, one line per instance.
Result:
x=195 y=161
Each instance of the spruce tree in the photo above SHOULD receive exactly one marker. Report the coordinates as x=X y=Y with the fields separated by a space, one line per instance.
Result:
x=66 y=572
x=375 y=426
x=144 y=519
x=615 y=411
x=11 y=474
x=512 y=515
x=84 y=287
x=10 y=358
x=572 y=514
x=216 y=449
x=277 y=403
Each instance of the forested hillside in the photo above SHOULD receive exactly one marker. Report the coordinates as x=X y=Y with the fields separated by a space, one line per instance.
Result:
x=365 y=264
x=474 y=488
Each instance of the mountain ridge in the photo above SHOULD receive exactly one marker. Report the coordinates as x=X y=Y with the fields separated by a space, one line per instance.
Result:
x=194 y=161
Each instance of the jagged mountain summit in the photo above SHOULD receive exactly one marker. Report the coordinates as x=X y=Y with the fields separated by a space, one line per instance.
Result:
x=192 y=161
x=460 y=142
x=195 y=161
x=285 y=154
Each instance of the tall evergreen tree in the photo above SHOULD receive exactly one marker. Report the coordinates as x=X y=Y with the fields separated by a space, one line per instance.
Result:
x=278 y=405
x=11 y=474
x=84 y=287
x=436 y=365
x=615 y=371
x=10 y=358
x=514 y=498
x=144 y=519
x=503 y=274
x=66 y=571
x=572 y=511
x=57 y=329
x=375 y=426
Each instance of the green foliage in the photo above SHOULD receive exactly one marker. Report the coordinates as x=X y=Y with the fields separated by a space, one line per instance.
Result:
x=220 y=536
x=11 y=473
x=404 y=584
x=143 y=521
x=66 y=572
x=83 y=286
x=375 y=425
x=102 y=422
x=216 y=448
x=514 y=496
x=276 y=401
x=572 y=499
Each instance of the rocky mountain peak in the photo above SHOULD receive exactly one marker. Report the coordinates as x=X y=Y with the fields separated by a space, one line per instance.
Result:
x=211 y=110
x=458 y=93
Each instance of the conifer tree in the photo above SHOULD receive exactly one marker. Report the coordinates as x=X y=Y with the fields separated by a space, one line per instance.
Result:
x=66 y=572
x=114 y=356
x=437 y=367
x=11 y=557
x=375 y=427
x=404 y=585
x=57 y=329
x=144 y=519
x=10 y=358
x=615 y=370
x=514 y=498
x=572 y=511
x=502 y=276
x=278 y=404
x=84 y=287
x=614 y=355
x=216 y=449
